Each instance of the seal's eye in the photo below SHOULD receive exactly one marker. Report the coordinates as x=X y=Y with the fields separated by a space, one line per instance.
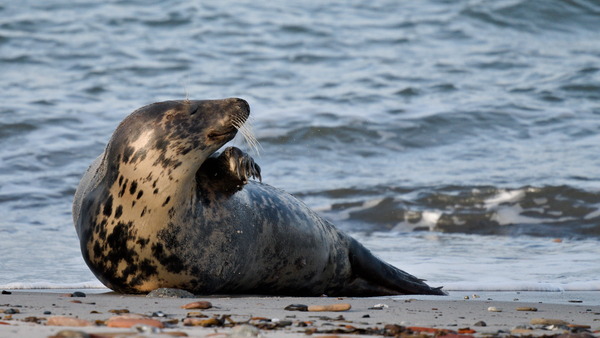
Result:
x=195 y=110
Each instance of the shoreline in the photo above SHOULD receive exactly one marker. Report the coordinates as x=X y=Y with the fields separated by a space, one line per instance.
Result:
x=27 y=313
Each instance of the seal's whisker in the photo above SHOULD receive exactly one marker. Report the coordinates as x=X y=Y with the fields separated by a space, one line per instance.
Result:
x=245 y=128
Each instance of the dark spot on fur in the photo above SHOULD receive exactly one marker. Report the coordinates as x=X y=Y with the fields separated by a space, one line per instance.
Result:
x=143 y=212
x=161 y=144
x=171 y=262
x=133 y=187
x=140 y=193
x=147 y=268
x=97 y=250
x=166 y=201
x=108 y=206
x=154 y=183
x=139 y=155
x=142 y=242
x=171 y=212
x=133 y=204
x=120 y=180
x=155 y=191
x=119 y=211
x=127 y=153
x=122 y=192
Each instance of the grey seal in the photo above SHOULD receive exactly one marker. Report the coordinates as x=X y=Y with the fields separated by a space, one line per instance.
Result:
x=161 y=208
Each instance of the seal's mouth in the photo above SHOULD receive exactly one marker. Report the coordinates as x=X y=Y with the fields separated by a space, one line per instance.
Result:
x=217 y=135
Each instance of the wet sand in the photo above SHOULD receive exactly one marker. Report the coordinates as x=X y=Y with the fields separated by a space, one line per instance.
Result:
x=29 y=313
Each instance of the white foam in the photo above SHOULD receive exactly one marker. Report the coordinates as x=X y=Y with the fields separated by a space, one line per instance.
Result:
x=521 y=286
x=504 y=196
x=50 y=285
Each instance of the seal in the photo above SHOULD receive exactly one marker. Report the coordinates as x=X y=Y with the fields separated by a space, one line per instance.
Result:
x=162 y=208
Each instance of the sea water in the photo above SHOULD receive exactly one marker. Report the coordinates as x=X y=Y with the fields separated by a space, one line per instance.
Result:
x=459 y=140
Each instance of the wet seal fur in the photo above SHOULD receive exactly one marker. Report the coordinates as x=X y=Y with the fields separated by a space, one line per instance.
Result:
x=160 y=209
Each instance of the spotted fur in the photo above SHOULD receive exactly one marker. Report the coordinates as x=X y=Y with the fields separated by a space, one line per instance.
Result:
x=159 y=208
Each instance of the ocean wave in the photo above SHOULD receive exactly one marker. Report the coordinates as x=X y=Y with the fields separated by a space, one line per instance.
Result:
x=551 y=211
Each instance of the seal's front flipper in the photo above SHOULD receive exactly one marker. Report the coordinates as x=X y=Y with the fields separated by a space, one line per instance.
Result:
x=240 y=164
x=382 y=278
x=228 y=171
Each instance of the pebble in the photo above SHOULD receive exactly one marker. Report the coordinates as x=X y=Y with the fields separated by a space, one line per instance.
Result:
x=78 y=294
x=170 y=293
x=244 y=331
x=129 y=321
x=547 y=321
x=201 y=305
x=67 y=321
x=330 y=307
x=118 y=311
x=519 y=331
x=47 y=312
x=379 y=307
x=494 y=309
x=480 y=323
x=525 y=308
x=11 y=311
x=4 y=292
x=71 y=334
x=296 y=307
x=201 y=322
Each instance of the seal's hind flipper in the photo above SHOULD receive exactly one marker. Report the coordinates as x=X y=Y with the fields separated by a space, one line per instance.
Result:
x=383 y=277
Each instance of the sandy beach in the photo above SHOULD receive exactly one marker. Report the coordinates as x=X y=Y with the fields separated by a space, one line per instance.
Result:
x=44 y=313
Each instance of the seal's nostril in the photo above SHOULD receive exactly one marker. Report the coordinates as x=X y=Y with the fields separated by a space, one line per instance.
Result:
x=244 y=104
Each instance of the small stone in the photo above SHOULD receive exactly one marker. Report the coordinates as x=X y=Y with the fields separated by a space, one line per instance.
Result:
x=547 y=321
x=201 y=322
x=379 y=307
x=118 y=311
x=202 y=305
x=78 y=294
x=526 y=308
x=494 y=309
x=158 y=314
x=394 y=330
x=170 y=293
x=4 y=292
x=33 y=320
x=47 y=312
x=296 y=307
x=519 y=331
x=466 y=297
x=67 y=321
x=329 y=307
x=466 y=330
x=196 y=314
x=11 y=311
x=284 y=323
x=244 y=331
x=575 y=301
x=366 y=316
x=71 y=334
x=129 y=321
x=480 y=323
